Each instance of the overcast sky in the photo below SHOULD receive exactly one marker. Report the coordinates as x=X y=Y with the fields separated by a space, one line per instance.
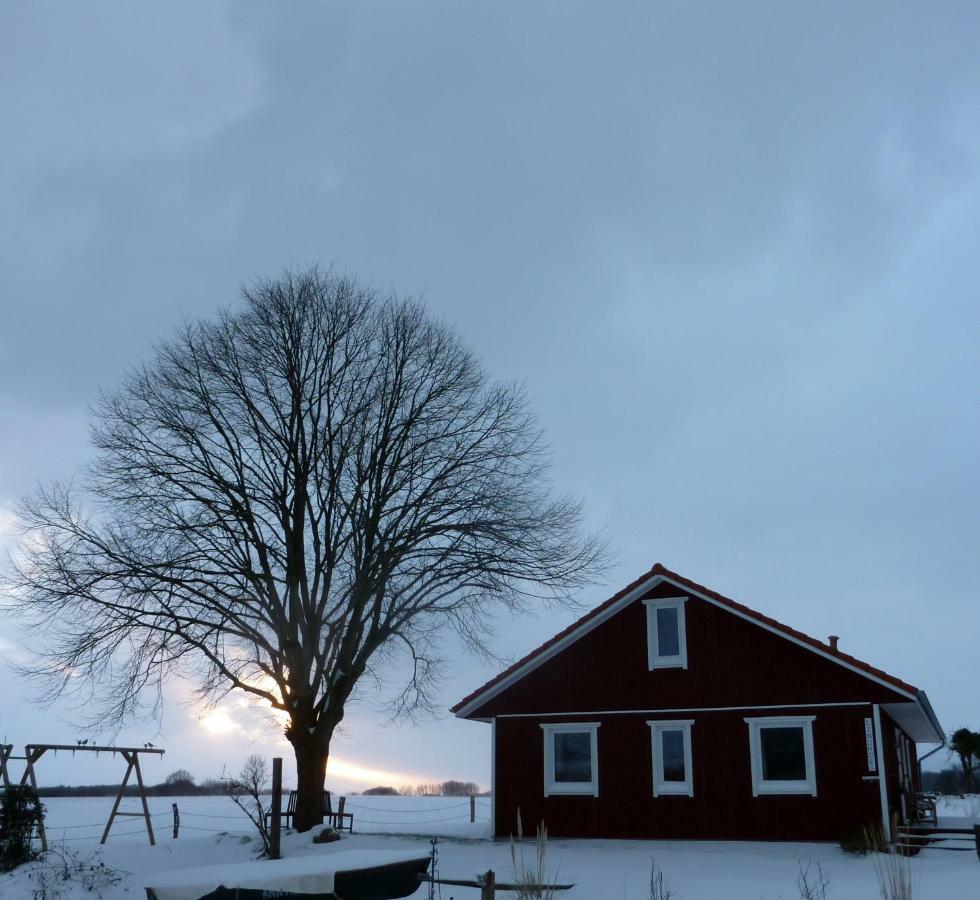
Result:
x=730 y=248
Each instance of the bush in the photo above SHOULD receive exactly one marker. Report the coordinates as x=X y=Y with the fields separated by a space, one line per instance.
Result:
x=20 y=813
x=326 y=836
x=381 y=792
x=63 y=873
x=863 y=839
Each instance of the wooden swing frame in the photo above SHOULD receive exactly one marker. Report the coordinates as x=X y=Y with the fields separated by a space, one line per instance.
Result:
x=33 y=752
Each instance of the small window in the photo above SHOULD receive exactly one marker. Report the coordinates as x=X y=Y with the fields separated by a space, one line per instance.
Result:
x=672 y=758
x=781 y=751
x=571 y=759
x=666 y=633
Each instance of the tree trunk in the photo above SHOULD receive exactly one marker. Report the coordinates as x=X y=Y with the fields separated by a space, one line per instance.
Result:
x=311 y=773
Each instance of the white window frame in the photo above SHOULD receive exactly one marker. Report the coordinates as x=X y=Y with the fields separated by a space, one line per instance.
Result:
x=579 y=788
x=655 y=660
x=759 y=785
x=662 y=787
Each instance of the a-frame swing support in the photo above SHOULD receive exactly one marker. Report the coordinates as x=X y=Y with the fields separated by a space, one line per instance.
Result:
x=5 y=751
x=33 y=752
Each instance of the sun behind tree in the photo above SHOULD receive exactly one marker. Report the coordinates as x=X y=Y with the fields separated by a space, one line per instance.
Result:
x=284 y=501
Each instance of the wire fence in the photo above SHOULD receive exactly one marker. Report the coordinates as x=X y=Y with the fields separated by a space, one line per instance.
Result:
x=393 y=818
x=415 y=817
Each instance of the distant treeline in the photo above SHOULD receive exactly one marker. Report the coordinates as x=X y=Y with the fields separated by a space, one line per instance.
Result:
x=205 y=789
x=182 y=784
x=948 y=781
x=442 y=789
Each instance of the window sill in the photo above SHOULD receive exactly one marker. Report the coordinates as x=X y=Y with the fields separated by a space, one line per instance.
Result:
x=670 y=662
x=575 y=790
x=669 y=791
x=792 y=788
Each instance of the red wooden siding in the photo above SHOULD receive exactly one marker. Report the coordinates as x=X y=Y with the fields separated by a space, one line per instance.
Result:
x=731 y=662
x=722 y=806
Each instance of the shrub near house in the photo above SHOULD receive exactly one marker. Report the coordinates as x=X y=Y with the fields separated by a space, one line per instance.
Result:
x=671 y=711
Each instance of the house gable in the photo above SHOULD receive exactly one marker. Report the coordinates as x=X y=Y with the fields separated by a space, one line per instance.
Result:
x=736 y=658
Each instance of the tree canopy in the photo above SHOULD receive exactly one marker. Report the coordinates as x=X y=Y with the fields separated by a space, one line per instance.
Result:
x=285 y=499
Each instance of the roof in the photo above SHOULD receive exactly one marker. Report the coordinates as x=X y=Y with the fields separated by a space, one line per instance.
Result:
x=664 y=574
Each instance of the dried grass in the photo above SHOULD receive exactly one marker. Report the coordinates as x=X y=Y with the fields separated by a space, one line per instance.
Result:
x=531 y=876
x=659 y=885
x=893 y=870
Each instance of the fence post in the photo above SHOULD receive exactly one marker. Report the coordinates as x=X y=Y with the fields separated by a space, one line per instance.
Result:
x=976 y=837
x=176 y=820
x=276 y=807
x=489 y=889
x=472 y=808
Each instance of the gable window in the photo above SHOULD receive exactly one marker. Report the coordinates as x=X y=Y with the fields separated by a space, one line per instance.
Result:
x=571 y=759
x=666 y=633
x=781 y=749
x=672 y=773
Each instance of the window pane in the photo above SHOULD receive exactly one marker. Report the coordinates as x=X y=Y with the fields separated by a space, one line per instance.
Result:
x=573 y=757
x=668 y=636
x=783 y=757
x=673 y=755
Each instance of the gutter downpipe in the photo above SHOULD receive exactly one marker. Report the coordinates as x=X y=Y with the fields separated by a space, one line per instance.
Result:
x=886 y=822
x=926 y=707
x=922 y=759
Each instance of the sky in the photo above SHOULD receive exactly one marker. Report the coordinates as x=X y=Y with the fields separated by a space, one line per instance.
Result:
x=730 y=249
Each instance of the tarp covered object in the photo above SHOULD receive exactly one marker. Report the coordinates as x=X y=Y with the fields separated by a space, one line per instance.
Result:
x=316 y=874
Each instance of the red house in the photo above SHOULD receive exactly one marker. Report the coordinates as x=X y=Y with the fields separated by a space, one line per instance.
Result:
x=671 y=711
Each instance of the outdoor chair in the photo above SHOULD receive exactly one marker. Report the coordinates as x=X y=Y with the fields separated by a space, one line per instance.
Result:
x=925 y=809
x=286 y=815
x=334 y=819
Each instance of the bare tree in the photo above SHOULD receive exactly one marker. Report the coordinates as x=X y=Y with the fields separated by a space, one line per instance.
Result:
x=247 y=790
x=286 y=499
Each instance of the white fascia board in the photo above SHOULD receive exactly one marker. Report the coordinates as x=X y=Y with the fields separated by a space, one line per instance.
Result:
x=914 y=719
x=633 y=595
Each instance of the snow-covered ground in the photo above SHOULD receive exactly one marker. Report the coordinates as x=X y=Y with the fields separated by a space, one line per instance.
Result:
x=214 y=831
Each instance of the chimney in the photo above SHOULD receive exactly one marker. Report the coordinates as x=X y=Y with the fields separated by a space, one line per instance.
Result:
x=832 y=640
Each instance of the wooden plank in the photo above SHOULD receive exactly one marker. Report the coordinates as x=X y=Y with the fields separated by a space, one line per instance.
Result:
x=500 y=886
x=97 y=749
x=5 y=751
x=119 y=795
x=146 y=807
x=32 y=757
x=932 y=829
x=927 y=847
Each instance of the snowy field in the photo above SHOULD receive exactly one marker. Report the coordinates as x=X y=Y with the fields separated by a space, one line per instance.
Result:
x=214 y=831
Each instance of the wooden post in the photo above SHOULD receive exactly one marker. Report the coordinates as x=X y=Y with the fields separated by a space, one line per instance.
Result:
x=33 y=754
x=276 y=833
x=976 y=837
x=119 y=796
x=5 y=751
x=472 y=808
x=146 y=808
x=489 y=889
x=176 y=820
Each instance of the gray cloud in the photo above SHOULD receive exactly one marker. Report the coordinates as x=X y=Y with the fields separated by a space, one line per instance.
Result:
x=729 y=248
